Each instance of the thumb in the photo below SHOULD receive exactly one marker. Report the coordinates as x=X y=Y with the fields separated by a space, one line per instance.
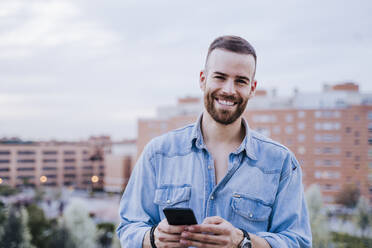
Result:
x=213 y=220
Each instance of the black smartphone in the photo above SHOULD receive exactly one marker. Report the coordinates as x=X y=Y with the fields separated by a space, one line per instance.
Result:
x=180 y=216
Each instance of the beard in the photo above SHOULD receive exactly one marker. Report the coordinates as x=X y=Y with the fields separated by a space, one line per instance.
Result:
x=224 y=116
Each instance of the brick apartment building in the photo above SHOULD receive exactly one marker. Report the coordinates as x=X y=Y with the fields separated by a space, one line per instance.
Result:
x=77 y=164
x=330 y=132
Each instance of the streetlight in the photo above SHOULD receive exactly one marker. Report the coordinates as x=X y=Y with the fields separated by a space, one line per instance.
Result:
x=94 y=179
x=43 y=179
x=1 y=180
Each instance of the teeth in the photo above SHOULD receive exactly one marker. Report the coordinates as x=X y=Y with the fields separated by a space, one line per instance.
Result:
x=226 y=102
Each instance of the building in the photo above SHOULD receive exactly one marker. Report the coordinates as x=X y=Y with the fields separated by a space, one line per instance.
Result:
x=119 y=164
x=53 y=163
x=330 y=132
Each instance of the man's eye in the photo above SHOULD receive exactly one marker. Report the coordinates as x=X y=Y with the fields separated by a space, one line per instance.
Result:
x=241 y=82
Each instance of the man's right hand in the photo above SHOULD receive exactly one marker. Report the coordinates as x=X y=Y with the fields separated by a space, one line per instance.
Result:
x=166 y=235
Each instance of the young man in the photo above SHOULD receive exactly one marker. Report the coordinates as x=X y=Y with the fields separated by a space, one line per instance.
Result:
x=245 y=189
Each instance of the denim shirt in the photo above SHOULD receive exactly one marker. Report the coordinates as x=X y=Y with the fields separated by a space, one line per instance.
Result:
x=262 y=191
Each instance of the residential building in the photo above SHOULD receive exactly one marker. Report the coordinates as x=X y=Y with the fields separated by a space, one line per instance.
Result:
x=330 y=132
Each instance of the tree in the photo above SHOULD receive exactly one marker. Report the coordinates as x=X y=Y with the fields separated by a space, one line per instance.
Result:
x=363 y=218
x=80 y=225
x=348 y=196
x=39 y=226
x=318 y=220
x=16 y=233
x=61 y=237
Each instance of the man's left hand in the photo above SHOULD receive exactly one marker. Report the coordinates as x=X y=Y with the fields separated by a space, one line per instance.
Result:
x=214 y=232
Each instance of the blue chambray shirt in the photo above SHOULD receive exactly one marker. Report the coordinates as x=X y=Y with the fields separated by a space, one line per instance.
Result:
x=262 y=191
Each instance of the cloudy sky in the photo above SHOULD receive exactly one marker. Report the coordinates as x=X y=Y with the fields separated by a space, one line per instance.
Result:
x=70 y=69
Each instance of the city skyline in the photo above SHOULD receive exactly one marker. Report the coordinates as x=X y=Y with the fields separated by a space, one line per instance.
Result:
x=73 y=69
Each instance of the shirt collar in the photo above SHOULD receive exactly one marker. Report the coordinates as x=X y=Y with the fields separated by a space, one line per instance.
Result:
x=246 y=145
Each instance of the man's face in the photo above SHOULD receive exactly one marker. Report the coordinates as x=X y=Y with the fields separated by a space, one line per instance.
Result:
x=228 y=84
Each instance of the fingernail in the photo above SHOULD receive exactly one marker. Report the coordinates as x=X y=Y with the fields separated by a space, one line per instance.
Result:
x=189 y=228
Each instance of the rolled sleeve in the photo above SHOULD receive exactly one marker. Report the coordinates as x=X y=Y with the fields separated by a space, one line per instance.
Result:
x=289 y=219
x=137 y=211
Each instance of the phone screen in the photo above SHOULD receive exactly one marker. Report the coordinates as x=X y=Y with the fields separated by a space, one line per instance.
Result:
x=180 y=216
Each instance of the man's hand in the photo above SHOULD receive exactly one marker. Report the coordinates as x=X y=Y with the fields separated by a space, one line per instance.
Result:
x=214 y=232
x=167 y=235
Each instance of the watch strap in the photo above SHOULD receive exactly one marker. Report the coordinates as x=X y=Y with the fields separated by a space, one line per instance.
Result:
x=246 y=239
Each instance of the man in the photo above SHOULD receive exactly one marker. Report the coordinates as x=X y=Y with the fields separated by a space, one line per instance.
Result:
x=244 y=189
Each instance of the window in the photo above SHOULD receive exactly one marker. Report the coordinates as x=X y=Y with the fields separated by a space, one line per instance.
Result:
x=327 y=125
x=69 y=160
x=327 y=163
x=276 y=129
x=4 y=169
x=348 y=154
x=88 y=167
x=49 y=160
x=25 y=177
x=22 y=161
x=301 y=126
x=289 y=129
x=49 y=168
x=327 y=138
x=327 y=114
x=327 y=150
x=28 y=152
x=51 y=176
x=301 y=114
x=301 y=138
x=25 y=169
x=2 y=152
x=348 y=129
x=4 y=161
x=370 y=153
x=49 y=152
x=69 y=152
x=289 y=118
x=264 y=118
x=301 y=150
x=369 y=115
x=70 y=175
x=69 y=167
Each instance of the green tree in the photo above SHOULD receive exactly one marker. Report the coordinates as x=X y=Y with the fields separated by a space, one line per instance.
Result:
x=16 y=233
x=348 y=196
x=61 y=237
x=363 y=218
x=38 y=225
x=318 y=219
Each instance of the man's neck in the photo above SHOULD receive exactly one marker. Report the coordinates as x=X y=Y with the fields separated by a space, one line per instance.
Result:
x=214 y=132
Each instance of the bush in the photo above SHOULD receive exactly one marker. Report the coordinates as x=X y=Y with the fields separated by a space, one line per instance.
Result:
x=343 y=240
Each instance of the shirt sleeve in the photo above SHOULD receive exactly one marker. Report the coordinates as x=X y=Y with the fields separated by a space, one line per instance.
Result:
x=289 y=226
x=137 y=210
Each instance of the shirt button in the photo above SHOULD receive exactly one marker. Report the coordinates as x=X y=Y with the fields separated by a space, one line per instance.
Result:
x=250 y=215
x=168 y=201
x=212 y=197
x=209 y=167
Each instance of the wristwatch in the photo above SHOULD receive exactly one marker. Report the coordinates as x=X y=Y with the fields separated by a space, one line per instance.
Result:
x=246 y=242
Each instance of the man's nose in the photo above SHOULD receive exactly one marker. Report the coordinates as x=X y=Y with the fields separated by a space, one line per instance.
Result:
x=229 y=87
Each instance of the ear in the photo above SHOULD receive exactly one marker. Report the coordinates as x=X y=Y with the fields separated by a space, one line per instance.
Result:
x=202 y=80
x=253 y=88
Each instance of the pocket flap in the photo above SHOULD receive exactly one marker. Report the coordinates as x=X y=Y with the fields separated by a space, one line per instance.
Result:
x=250 y=208
x=170 y=195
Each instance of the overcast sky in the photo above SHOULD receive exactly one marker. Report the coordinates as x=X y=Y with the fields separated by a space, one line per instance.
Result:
x=70 y=69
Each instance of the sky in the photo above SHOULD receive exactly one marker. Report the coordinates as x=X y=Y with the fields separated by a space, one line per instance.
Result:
x=71 y=69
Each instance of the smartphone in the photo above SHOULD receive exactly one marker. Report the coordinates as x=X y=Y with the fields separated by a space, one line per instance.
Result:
x=180 y=216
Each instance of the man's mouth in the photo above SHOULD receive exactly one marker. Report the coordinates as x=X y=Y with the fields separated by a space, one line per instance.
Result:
x=227 y=103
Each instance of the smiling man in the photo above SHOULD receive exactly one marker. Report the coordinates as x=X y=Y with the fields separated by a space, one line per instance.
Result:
x=245 y=189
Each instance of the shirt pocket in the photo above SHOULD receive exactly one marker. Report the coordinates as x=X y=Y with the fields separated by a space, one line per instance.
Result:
x=250 y=213
x=172 y=196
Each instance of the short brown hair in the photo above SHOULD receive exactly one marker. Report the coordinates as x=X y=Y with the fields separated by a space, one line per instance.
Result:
x=234 y=44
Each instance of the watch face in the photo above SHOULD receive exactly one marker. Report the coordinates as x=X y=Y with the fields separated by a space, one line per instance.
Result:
x=246 y=243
